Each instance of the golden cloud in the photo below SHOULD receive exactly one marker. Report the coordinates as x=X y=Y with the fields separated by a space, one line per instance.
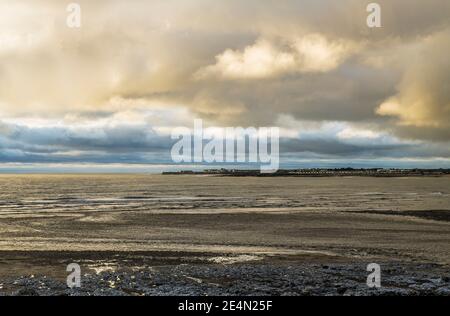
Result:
x=265 y=59
x=423 y=98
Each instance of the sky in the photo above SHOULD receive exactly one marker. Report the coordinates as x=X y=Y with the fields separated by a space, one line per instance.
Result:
x=106 y=96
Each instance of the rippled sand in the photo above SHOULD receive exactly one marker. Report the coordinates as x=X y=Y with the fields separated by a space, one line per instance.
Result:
x=335 y=217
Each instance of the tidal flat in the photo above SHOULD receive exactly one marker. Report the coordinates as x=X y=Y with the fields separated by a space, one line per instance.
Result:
x=207 y=235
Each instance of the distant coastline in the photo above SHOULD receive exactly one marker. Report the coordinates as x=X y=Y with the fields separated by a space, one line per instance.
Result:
x=319 y=172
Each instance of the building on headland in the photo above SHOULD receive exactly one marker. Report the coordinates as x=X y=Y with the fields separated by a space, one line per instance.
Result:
x=318 y=172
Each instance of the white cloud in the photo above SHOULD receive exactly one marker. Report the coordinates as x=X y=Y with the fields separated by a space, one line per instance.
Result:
x=350 y=133
x=308 y=54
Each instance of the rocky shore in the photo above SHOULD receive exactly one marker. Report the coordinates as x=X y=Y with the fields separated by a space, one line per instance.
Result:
x=243 y=279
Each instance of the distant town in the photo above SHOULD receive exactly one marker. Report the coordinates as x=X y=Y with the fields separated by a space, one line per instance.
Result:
x=319 y=172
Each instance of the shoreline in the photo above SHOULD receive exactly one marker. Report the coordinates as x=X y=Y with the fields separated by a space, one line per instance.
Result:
x=194 y=274
x=319 y=172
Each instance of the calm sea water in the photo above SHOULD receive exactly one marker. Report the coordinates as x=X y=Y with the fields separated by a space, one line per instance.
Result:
x=34 y=195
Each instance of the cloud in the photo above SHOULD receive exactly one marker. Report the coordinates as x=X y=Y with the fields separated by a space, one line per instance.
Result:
x=123 y=143
x=265 y=59
x=423 y=97
x=139 y=144
x=152 y=65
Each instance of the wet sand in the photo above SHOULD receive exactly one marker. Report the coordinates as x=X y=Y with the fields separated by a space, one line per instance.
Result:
x=240 y=226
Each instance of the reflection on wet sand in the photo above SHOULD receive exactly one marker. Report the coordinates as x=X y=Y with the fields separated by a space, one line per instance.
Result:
x=54 y=219
x=346 y=216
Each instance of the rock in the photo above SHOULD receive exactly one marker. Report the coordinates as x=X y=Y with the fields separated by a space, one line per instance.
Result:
x=443 y=291
x=27 y=292
x=341 y=290
x=245 y=279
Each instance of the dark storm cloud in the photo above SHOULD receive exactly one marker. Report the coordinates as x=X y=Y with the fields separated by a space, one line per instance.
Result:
x=100 y=145
x=333 y=147
x=140 y=145
x=115 y=139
